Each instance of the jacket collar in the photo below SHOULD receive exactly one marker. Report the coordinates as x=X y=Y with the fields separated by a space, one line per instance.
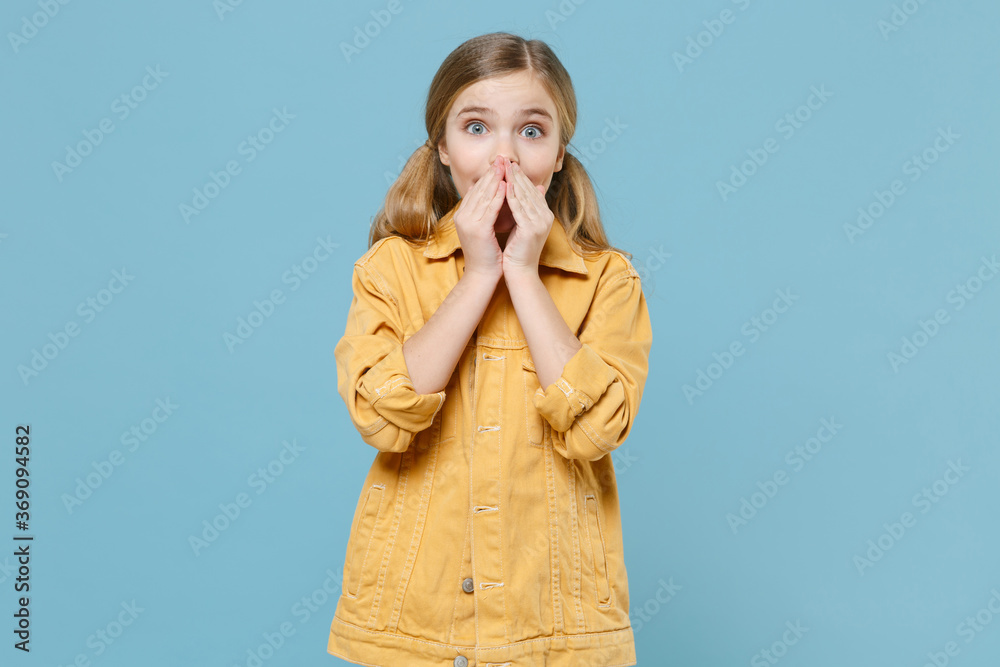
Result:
x=556 y=252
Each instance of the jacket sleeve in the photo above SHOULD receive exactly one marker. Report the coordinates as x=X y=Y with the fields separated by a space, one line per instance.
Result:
x=592 y=406
x=372 y=377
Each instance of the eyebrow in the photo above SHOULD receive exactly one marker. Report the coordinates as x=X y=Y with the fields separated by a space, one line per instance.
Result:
x=532 y=111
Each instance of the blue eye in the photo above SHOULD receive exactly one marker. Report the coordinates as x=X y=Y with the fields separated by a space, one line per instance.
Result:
x=531 y=128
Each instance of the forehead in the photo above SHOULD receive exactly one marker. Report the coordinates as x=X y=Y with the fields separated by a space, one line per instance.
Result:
x=506 y=94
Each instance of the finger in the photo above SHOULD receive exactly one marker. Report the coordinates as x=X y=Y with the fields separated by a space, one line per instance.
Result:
x=525 y=182
x=498 y=198
x=482 y=183
x=485 y=177
x=491 y=203
x=518 y=192
x=516 y=205
x=521 y=182
x=482 y=192
x=527 y=190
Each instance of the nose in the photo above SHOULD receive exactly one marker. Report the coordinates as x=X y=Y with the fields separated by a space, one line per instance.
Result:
x=505 y=149
x=510 y=157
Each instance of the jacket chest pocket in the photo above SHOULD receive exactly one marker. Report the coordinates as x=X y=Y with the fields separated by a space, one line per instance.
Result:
x=535 y=425
x=361 y=538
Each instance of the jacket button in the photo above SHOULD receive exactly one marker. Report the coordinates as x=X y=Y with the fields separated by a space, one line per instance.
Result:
x=467 y=587
x=460 y=661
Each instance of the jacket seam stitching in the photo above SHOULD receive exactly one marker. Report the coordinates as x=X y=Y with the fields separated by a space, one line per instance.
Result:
x=371 y=538
x=472 y=455
x=458 y=593
x=530 y=412
x=577 y=564
x=604 y=556
x=593 y=435
x=487 y=649
x=391 y=543
x=380 y=282
x=418 y=527
x=556 y=575
x=375 y=427
x=500 y=437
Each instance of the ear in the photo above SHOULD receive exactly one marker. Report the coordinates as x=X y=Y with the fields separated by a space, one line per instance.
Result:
x=559 y=160
x=443 y=154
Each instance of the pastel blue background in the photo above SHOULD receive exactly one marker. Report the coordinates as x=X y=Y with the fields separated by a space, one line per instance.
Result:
x=718 y=262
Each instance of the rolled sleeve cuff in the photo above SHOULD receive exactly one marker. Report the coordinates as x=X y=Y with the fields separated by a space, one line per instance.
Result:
x=387 y=388
x=585 y=378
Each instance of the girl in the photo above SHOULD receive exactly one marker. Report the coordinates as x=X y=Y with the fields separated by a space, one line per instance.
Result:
x=495 y=355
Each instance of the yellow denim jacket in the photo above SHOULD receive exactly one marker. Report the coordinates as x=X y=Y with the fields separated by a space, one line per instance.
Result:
x=487 y=532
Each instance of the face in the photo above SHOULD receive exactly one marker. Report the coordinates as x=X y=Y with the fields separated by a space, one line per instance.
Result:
x=512 y=116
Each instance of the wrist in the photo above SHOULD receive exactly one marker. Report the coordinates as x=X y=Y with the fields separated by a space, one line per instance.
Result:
x=485 y=279
x=514 y=276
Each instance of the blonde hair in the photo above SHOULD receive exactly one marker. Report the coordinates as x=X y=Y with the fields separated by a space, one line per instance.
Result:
x=423 y=192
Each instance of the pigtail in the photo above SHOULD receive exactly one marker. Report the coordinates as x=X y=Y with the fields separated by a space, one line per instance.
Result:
x=420 y=195
x=572 y=198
